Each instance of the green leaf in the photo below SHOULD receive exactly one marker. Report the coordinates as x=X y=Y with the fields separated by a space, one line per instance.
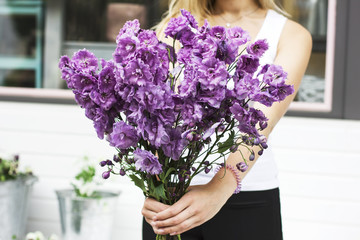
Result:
x=138 y=182
x=158 y=192
x=170 y=170
x=224 y=146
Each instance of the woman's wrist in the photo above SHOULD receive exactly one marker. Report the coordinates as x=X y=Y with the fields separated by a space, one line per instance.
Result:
x=226 y=181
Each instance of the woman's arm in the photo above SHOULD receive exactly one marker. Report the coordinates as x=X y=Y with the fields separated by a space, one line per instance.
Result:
x=202 y=202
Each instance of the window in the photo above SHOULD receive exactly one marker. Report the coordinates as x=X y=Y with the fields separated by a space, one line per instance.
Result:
x=21 y=43
x=318 y=16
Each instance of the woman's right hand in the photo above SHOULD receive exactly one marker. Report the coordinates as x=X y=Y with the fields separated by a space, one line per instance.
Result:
x=151 y=208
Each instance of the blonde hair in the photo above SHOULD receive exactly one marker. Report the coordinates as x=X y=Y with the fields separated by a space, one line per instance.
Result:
x=203 y=9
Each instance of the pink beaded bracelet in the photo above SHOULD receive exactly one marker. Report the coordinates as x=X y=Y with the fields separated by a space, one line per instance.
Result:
x=236 y=175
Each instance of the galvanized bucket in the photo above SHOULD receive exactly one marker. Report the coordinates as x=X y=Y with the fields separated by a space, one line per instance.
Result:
x=86 y=218
x=14 y=196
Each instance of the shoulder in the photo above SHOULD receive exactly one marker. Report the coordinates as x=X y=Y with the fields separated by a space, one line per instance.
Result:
x=295 y=35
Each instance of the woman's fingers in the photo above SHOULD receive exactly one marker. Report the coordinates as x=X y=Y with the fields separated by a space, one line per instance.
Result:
x=175 y=220
x=179 y=228
x=173 y=210
x=151 y=208
x=153 y=205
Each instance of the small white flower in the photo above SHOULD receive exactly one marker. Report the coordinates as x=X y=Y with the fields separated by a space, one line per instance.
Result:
x=53 y=237
x=35 y=236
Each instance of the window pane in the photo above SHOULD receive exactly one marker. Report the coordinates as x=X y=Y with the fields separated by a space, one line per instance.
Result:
x=18 y=35
x=312 y=14
x=100 y=21
x=17 y=78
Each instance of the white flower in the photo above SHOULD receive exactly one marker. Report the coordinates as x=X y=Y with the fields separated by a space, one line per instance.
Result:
x=53 y=237
x=35 y=236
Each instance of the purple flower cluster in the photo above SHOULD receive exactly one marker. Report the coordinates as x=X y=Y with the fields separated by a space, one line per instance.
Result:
x=132 y=98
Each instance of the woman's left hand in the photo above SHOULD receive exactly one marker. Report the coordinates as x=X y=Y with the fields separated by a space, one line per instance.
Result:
x=197 y=206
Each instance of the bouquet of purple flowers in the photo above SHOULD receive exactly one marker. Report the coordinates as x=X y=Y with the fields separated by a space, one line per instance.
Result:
x=166 y=111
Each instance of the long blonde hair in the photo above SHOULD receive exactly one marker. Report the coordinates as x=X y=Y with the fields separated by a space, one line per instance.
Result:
x=202 y=9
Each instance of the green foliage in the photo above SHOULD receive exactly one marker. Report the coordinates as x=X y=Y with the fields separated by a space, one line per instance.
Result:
x=86 y=175
x=9 y=169
x=85 y=183
x=224 y=146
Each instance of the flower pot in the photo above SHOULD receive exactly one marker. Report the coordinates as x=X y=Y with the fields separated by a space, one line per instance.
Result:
x=14 y=201
x=86 y=218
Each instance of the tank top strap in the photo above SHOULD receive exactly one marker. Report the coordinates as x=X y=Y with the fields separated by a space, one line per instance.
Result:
x=271 y=31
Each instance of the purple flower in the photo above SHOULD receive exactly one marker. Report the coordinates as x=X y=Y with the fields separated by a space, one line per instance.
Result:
x=147 y=38
x=210 y=131
x=237 y=36
x=176 y=144
x=130 y=28
x=218 y=32
x=190 y=18
x=82 y=82
x=123 y=136
x=246 y=87
x=248 y=63
x=137 y=72
x=275 y=75
x=107 y=81
x=258 y=48
x=147 y=162
x=85 y=60
x=105 y=100
x=126 y=47
x=182 y=28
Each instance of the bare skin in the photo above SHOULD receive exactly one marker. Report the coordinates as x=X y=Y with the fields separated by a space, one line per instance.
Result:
x=202 y=202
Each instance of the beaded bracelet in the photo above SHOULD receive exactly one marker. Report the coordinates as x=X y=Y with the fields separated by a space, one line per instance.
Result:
x=236 y=175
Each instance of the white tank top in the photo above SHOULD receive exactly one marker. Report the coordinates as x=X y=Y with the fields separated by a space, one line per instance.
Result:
x=263 y=175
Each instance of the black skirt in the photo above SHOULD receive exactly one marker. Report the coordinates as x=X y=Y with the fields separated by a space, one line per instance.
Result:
x=249 y=215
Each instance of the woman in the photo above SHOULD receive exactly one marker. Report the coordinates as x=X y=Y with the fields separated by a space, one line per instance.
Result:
x=209 y=210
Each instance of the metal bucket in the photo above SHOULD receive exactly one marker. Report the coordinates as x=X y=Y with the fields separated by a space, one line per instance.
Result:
x=14 y=202
x=86 y=218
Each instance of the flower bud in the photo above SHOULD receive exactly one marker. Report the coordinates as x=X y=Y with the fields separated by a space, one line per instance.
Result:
x=252 y=157
x=207 y=141
x=263 y=125
x=109 y=163
x=233 y=148
x=221 y=128
x=116 y=158
x=244 y=138
x=256 y=141
x=261 y=152
x=207 y=170
x=264 y=145
x=197 y=137
x=190 y=136
x=242 y=167
x=102 y=163
x=193 y=169
x=122 y=172
x=207 y=163
x=106 y=175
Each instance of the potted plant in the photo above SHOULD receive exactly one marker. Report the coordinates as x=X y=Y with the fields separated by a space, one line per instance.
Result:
x=15 y=187
x=86 y=213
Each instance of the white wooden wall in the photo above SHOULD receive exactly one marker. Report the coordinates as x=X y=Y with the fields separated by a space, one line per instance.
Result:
x=319 y=162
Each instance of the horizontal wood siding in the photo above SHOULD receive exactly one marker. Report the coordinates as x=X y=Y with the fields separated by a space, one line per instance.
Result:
x=318 y=159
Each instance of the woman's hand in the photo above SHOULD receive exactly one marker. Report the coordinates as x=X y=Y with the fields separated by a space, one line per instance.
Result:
x=151 y=208
x=197 y=206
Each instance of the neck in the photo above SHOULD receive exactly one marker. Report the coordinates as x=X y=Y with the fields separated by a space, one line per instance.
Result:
x=234 y=7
